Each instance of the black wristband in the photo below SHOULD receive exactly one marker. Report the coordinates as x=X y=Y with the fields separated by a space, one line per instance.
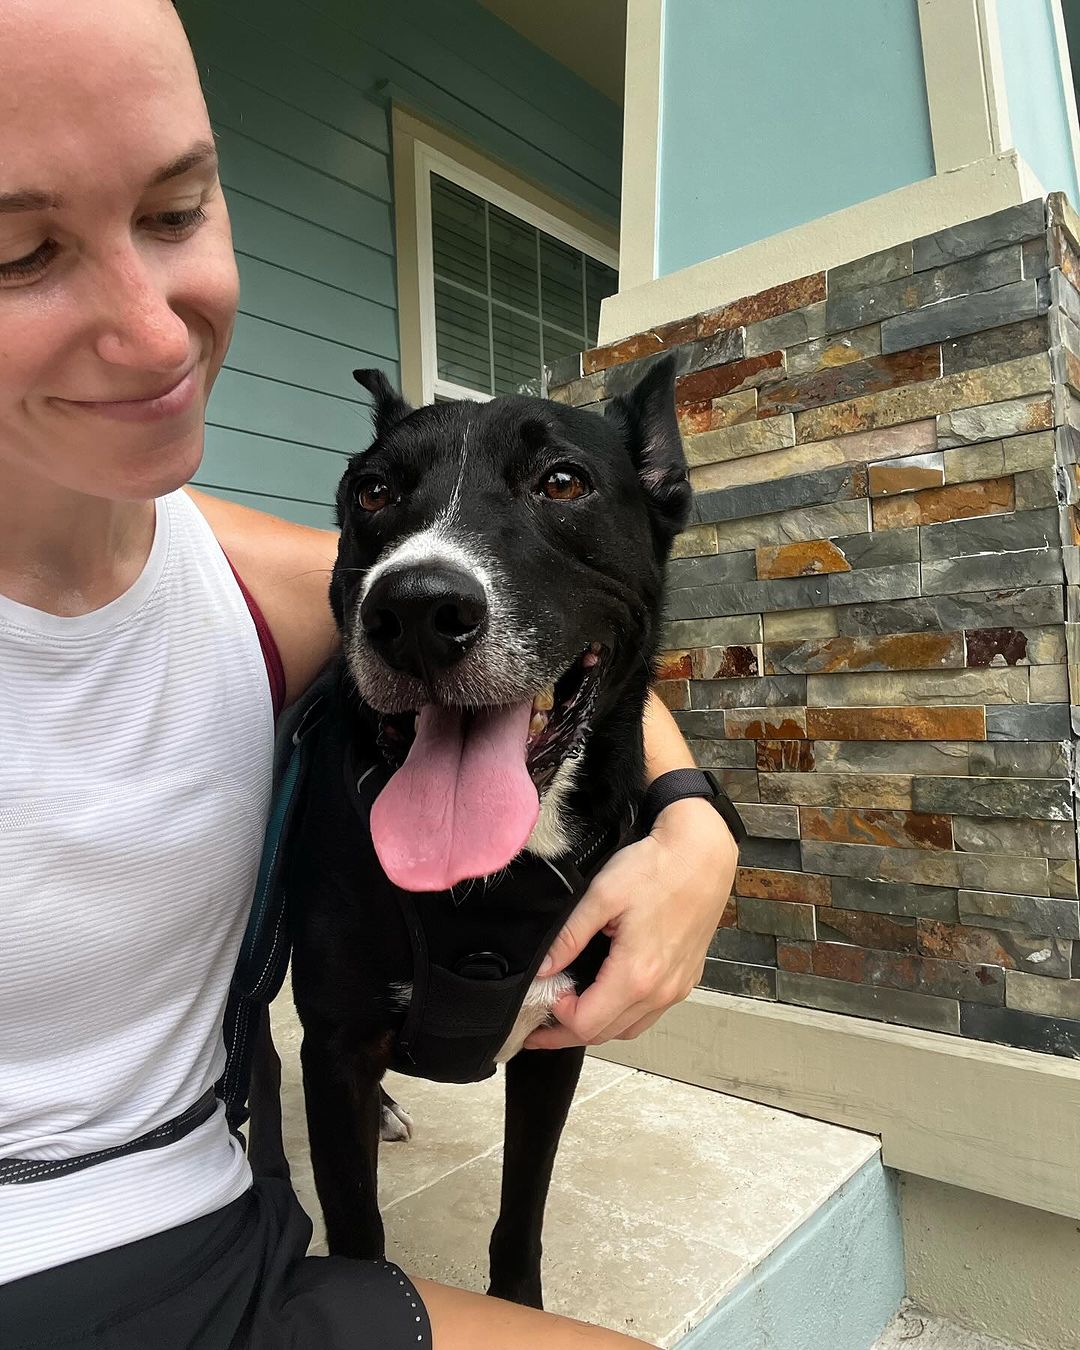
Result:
x=680 y=783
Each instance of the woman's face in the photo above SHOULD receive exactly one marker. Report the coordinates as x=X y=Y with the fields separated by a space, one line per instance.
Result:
x=118 y=285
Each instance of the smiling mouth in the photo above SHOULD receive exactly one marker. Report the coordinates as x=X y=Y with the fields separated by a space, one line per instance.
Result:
x=177 y=398
x=559 y=721
x=464 y=795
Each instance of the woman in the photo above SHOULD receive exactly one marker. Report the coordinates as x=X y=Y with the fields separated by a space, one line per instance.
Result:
x=136 y=727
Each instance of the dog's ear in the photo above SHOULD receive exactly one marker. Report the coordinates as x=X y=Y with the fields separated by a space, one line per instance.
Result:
x=651 y=428
x=389 y=407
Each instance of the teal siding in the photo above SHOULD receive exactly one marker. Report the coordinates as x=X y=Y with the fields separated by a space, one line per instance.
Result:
x=777 y=112
x=299 y=92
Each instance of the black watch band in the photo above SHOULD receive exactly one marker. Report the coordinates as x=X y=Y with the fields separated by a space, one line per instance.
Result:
x=679 y=783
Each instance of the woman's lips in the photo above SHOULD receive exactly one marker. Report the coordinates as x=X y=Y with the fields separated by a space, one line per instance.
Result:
x=171 y=403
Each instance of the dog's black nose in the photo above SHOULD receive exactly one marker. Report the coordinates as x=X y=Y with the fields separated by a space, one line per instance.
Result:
x=423 y=619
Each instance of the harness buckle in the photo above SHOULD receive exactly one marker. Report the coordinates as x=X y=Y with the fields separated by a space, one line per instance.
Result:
x=483 y=966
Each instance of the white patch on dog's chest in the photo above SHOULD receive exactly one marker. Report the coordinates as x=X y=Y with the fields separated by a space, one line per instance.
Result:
x=535 y=1012
x=550 y=837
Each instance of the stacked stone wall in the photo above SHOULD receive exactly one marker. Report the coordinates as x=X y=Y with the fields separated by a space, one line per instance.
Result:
x=871 y=627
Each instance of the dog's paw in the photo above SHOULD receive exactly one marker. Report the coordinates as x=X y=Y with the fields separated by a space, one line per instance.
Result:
x=395 y=1123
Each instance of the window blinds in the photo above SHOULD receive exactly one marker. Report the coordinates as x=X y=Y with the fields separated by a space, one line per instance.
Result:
x=508 y=297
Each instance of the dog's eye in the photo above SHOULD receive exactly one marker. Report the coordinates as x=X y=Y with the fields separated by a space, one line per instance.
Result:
x=565 y=483
x=372 y=494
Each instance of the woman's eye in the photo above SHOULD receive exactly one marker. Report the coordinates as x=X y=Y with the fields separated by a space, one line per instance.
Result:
x=179 y=223
x=173 y=224
x=565 y=483
x=373 y=494
x=27 y=268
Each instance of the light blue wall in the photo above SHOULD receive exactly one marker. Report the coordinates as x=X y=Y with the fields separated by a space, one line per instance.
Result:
x=299 y=93
x=1037 y=108
x=776 y=112
x=833 y=1285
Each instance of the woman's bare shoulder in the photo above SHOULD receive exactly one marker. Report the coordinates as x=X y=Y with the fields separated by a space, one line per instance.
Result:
x=286 y=567
x=275 y=547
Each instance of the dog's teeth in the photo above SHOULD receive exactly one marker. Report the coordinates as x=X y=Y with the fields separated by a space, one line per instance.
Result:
x=545 y=700
x=538 y=723
x=416 y=723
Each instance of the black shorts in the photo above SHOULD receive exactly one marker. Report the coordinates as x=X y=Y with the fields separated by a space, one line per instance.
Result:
x=235 y=1280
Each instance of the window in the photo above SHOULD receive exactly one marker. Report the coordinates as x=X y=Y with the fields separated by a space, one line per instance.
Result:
x=505 y=286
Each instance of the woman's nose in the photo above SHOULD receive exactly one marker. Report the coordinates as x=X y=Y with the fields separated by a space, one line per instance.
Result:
x=139 y=327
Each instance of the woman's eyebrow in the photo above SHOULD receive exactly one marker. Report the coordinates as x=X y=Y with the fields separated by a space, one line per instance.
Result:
x=27 y=200
x=202 y=153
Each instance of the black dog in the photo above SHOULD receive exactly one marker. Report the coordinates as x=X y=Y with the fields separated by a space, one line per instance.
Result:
x=498 y=588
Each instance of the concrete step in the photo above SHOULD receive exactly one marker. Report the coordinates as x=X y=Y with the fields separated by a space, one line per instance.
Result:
x=678 y=1215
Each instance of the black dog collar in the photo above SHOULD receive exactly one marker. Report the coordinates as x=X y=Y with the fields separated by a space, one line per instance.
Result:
x=679 y=783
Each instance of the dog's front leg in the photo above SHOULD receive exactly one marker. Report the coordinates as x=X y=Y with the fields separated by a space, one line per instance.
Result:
x=341 y=1095
x=540 y=1086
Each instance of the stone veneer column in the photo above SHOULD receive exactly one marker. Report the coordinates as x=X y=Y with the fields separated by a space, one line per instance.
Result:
x=871 y=623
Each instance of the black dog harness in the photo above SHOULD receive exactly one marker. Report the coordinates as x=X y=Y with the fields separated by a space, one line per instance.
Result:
x=476 y=949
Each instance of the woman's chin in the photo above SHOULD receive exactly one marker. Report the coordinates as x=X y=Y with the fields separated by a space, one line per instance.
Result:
x=159 y=471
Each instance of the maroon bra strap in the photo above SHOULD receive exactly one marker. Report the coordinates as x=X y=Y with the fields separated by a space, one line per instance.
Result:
x=275 y=671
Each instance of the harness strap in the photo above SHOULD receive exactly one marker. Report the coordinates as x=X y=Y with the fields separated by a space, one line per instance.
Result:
x=264 y=952
x=16 y=1171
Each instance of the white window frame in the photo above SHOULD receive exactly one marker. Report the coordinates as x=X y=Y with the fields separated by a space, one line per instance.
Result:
x=428 y=159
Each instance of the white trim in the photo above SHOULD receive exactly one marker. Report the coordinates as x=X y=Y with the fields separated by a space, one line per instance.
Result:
x=907 y=213
x=969 y=120
x=447 y=389
x=642 y=119
x=964 y=88
x=425 y=263
x=1069 y=90
x=997 y=98
x=427 y=159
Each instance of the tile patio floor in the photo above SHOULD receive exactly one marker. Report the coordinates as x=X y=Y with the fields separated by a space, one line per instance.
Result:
x=664 y=1196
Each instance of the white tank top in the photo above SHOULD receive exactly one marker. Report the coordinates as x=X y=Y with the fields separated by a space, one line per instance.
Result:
x=135 y=766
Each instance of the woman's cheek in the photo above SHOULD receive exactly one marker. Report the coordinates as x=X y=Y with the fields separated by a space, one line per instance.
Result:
x=216 y=293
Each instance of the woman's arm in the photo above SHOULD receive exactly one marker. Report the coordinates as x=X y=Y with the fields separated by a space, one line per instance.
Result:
x=659 y=900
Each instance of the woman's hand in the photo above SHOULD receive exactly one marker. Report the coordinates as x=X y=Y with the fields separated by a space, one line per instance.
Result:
x=659 y=900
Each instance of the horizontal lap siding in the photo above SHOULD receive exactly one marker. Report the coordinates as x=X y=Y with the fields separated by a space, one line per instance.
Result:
x=299 y=94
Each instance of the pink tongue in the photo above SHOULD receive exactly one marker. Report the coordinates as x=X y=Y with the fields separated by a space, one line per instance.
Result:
x=462 y=805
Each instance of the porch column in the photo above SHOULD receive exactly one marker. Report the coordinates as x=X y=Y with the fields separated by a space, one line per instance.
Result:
x=764 y=139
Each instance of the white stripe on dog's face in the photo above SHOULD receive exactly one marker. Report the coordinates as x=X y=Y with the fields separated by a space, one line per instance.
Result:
x=436 y=544
x=427 y=548
x=455 y=497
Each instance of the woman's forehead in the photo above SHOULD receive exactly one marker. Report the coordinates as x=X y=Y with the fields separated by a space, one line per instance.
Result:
x=92 y=92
